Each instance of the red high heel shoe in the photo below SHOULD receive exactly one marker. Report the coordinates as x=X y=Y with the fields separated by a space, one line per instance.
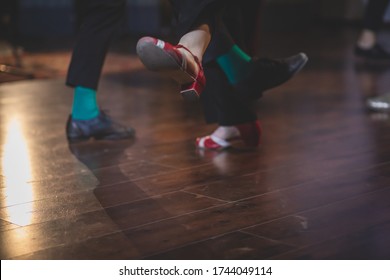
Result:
x=161 y=56
x=250 y=135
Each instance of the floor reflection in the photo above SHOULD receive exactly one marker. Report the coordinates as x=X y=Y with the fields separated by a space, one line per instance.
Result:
x=17 y=174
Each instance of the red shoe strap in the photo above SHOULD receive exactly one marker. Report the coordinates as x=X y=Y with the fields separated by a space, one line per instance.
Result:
x=194 y=56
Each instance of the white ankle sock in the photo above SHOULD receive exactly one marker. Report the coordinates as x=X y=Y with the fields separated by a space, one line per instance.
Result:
x=226 y=132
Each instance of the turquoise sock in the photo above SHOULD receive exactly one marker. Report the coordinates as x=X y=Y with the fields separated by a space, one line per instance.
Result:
x=84 y=104
x=235 y=64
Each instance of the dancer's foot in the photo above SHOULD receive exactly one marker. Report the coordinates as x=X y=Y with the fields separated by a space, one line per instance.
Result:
x=176 y=61
x=270 y=73
x=246 y=135
x=101 y=127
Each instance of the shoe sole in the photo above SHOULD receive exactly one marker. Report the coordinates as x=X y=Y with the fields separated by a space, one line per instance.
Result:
x=156 y=59
x=190 y=95
x=107 y=137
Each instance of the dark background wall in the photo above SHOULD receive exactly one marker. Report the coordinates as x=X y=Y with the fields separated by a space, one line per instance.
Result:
x=49 y=18
x=56 y=18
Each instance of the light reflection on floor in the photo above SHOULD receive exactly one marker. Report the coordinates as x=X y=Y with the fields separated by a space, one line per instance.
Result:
x=16 y=170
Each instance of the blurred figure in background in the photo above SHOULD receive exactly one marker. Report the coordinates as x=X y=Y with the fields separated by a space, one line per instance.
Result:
x=367 y=45
x=9 y=31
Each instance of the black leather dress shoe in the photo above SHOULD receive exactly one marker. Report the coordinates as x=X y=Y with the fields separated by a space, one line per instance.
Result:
x=376 y=52
x=101 y=127
x=269 y=73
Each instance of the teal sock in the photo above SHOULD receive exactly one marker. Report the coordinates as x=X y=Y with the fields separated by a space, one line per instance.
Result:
x=84 y=104
x=235 y=64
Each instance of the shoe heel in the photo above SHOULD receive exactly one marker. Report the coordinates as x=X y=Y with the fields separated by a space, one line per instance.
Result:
x=250 y=133
x=191 y=91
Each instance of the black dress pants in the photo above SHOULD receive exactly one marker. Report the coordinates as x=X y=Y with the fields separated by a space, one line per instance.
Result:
x=99 y=21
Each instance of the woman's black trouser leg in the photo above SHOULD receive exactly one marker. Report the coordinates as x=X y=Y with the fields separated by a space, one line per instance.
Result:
x=221 y=102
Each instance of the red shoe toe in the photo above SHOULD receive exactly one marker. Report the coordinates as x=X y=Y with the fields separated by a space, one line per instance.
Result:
x=211 y=143
x=250 y=136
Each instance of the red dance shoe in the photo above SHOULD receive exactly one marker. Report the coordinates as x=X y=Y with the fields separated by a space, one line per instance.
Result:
x=161 y=56
x=250 y=134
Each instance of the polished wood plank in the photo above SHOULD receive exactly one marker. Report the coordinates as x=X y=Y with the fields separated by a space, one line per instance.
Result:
x=181 y=179
x=231 y=246
x=368 y=244
x=159 y=208
x=242 y=214
x=331 y=221
x=69 y=228
x=109 y=247
x=52 y=208
x=4 y=225
x=35 y=237
x=327 y=176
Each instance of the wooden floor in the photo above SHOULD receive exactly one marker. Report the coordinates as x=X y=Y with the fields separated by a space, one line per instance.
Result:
x=317 y=188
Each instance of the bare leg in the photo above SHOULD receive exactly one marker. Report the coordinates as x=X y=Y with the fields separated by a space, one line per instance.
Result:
x=196 y=41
